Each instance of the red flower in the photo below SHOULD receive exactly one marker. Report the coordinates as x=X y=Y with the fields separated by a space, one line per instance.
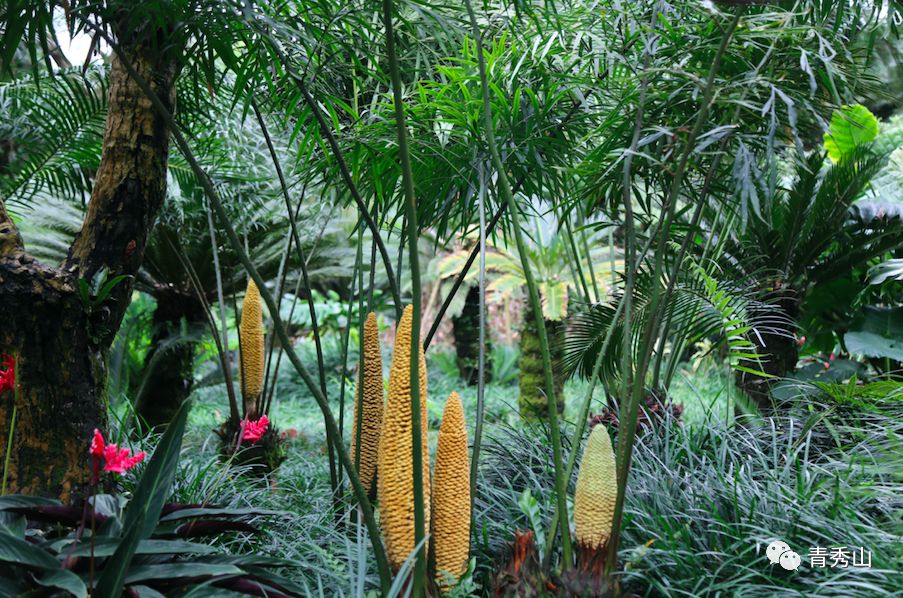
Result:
x=97 y=445
x=115 y=459
x=254 y=430
x=8 y=376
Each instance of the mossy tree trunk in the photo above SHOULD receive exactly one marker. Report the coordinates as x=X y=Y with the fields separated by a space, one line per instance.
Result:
x=61 y=341
x=532 y=401
x=168 y=373
x=466 y=329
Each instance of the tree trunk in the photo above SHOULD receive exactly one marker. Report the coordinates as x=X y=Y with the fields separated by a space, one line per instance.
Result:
x=61 y=339
x=466 y=330
x=532 y=401
x=168 y=372
x=780 y=351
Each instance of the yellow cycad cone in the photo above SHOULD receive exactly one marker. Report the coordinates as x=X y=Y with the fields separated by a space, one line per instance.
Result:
x=451 y=495
x=252 y=349
x=395 y=482
x=371 y=403
x=597 y=487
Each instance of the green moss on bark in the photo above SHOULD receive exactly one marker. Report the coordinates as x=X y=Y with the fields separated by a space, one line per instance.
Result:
x=532 y=402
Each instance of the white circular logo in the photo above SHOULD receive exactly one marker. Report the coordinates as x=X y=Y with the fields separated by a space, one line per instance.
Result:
x=790 y=560
x=775 y=550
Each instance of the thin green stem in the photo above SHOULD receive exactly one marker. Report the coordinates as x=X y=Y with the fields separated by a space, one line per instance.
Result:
x=346 y=343
x=590 y=266
x=361 y=318
x=627 y=433
x=305 y=278
x=505 y=188
x=481 y=363
x=578 y=269
x=332 y=432
x=419 y=580
x=223 y=344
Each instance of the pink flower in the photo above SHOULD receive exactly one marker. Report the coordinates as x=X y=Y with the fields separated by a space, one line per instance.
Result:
x=8 y=376
x=120 y=460
x=254 y=430
x=115 y=459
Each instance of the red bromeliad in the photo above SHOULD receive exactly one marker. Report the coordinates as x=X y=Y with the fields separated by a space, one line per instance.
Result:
x=114 y=459
x=8 y=374
x=254 y=430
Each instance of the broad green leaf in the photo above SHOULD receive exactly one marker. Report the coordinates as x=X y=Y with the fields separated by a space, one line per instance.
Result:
x=9 y=587
x=146 y=592
x=878 y=333
x=248 y=560
x=18 y=552
x=63 y=579
x=107 y=546
x=554 y=300
x=277 y=581
x=145 y=573
x=14 y=501
x=143 y=512
x=889 y=270
x=851 y=127
x=506 y=284
x=208 y=512
x=12 y=524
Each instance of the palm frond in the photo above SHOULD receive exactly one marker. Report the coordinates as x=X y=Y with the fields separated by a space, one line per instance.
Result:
x=55 y=125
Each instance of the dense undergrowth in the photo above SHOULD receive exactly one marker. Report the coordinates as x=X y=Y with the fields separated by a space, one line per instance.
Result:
x=707 y=495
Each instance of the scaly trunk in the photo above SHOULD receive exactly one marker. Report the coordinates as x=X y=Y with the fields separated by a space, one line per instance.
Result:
x=466 y=330
x=780 y=350
x=532 y=401
x=168 y=372
x=60 y=339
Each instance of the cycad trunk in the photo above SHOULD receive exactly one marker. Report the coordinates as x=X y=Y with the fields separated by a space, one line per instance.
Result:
x=168 y=374
x=61 y=341
x=780 y=351
x=466 y=329
x=532 y=402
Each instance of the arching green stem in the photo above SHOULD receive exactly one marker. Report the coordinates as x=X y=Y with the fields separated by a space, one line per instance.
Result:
x=505 y=188
x=332 y=431
x=410 y=203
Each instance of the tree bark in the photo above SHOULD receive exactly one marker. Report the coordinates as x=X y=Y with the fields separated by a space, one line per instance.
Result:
x=60 y=339
x=466 y=330
x=532 y=402
x=169 y=365
x=780 y=350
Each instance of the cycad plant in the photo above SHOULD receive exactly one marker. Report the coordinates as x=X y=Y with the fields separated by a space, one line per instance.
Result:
x=807 y=235
x=369 y=407
x=562 y=272
x=56 y=129
x=395 y=482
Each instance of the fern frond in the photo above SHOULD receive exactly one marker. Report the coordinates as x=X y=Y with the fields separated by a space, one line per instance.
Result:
x=56 y=130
